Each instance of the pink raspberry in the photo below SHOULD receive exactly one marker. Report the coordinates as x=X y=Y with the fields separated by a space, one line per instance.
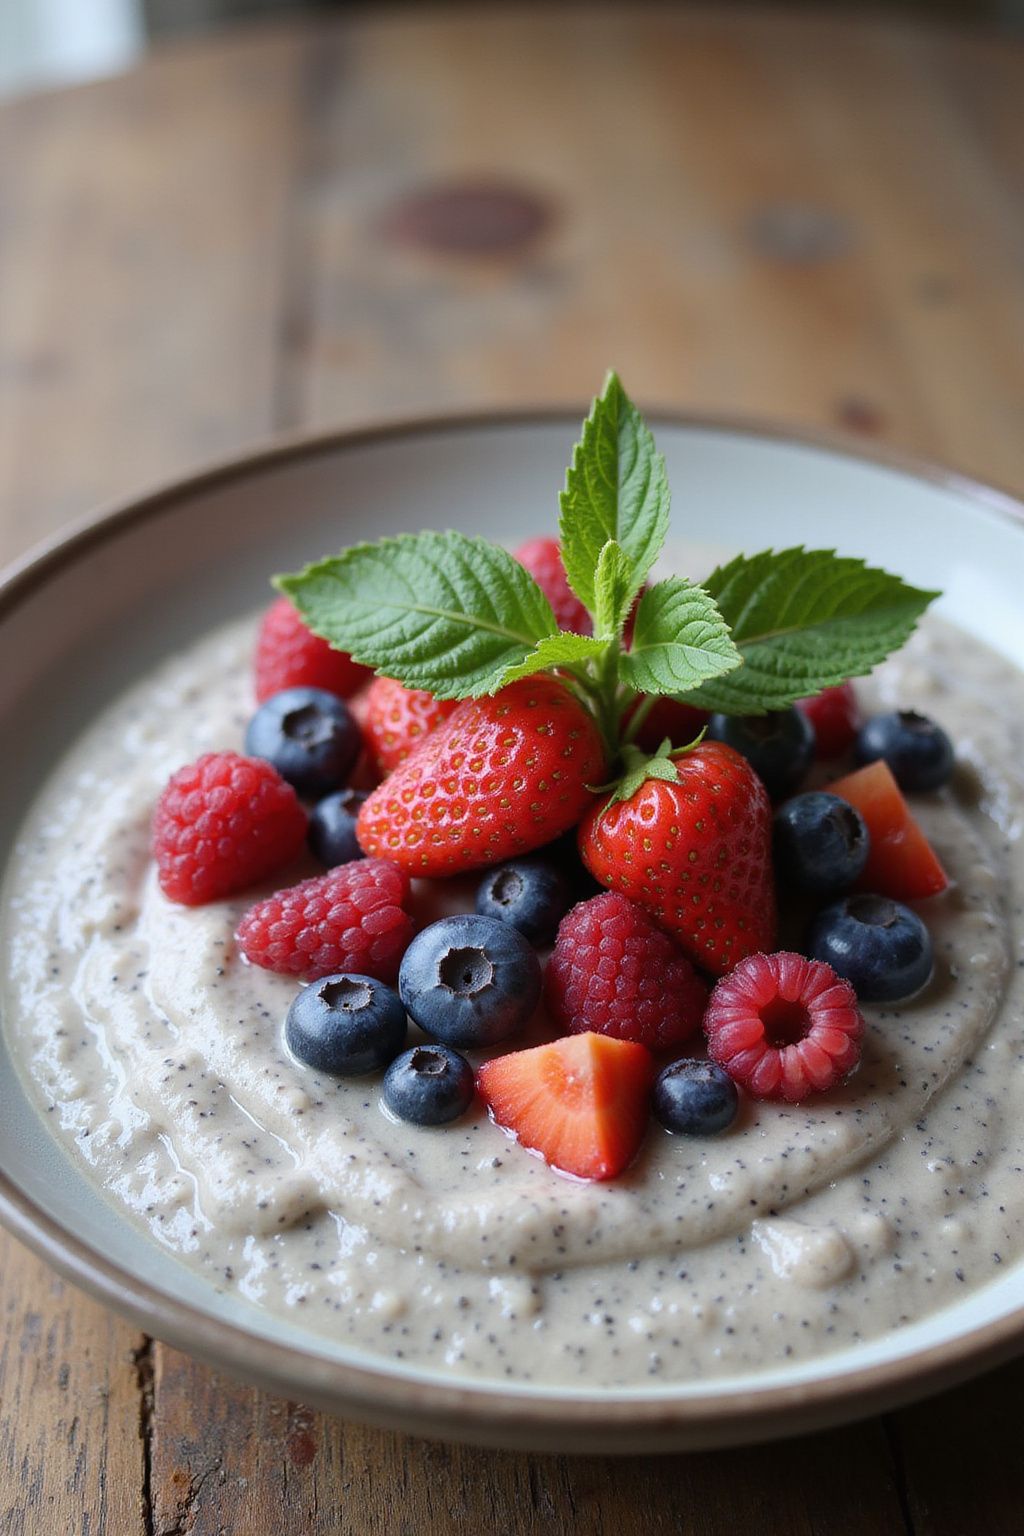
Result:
x=615 y=972
x=350 y=919
x=543 y=559
x=784 y=1026
x=288 y=655
x=222 y=823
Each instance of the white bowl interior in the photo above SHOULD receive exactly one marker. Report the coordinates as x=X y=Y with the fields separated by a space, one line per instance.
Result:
x=102 y=619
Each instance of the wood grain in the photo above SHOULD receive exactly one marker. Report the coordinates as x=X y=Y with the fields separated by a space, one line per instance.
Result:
x=816 y=220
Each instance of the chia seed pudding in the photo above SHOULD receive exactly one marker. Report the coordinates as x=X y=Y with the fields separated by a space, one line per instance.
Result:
x=802 y=1229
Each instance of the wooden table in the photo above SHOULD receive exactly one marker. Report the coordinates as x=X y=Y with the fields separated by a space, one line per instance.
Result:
x=811 y=220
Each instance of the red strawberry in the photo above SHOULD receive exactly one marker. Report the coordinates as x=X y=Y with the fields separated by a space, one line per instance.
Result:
x=696 y=852
x=582 y=1102
x=784 y=1026
x=288 y=655
x=835 y=716
x=222 y=823
x=502 y=776
x=543 y=559
x=351 y=919
x=615 y=972
x=396 y=718
x=901 y=861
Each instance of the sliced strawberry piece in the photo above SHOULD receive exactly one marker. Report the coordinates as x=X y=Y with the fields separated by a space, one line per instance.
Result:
x=582 y=1102
x=902 y=863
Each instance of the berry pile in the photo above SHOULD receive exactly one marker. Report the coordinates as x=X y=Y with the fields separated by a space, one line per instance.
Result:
x=706 y=830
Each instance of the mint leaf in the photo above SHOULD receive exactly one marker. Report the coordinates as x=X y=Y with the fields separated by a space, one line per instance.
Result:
x=561 y=650
x=680 y=640
x=435 y=610
x=804 y=620
x=614 y=588
x=615 y=488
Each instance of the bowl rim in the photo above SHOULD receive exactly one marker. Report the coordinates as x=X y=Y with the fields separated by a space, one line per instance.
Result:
x=737 y=1414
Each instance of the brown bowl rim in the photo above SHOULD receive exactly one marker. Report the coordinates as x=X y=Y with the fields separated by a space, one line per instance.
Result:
x=486 y=1410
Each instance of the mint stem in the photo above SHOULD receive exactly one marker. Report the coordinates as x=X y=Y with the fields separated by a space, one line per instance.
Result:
x=643 y=709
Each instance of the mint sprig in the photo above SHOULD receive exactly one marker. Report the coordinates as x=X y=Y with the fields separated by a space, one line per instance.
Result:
x=615 y=488
x=460 y=617
x=803 y=620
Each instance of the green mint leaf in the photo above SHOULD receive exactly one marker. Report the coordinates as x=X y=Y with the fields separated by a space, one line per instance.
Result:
x=561 y=650
x=614 y=589
x=435 y=610
x=615 y=488
x=804 y=620
x=680 y=640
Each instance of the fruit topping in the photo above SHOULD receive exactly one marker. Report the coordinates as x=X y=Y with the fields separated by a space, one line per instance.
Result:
x=288 y=655
x=346 y=1025
x=309 y=735
x=543 y=559
x=835 y=717
x=221 y=824
x=901 y=862
x=665 y=718
x=531 y=894
x=695 y=851
x=429 y=1085
x=581 y=1102
x=778 y=746
x=882 y=948
x=695 y=1098
x=396 y=719
x=332 y=827
x=821 y=843
x=470 y=981
x=615 y=972
x=917 y=750
x=351 y=919
x=783 y=1026
x=502 y=776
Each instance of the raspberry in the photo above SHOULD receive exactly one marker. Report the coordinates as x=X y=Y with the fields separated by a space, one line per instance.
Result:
x=615 y=972
x=350 y=919
x=288 y=655
x=835 y=715
x=222 y=823
x=783 y=1026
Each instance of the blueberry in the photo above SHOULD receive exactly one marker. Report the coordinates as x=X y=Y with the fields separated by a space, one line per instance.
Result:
x=332 y=827
x=429 y=1085
x=821 y=843
x=309 y=735
x=530 y=894
x=882 y=948
x=470 y=980
x=695 y=1098
x=778 y=746
x=346 y=1025
x=917 y=750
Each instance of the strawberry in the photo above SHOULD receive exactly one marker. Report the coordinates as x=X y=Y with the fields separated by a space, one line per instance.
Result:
x=395 y=719
x=501 y=776
x=543 y=559
x=695 y=850
x=582 y=1102
x=901 y=861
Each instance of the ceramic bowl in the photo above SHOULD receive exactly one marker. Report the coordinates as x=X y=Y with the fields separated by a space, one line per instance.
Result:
x=94 y=610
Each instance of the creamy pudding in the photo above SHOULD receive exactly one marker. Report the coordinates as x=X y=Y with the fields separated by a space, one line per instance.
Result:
x=158 y=1052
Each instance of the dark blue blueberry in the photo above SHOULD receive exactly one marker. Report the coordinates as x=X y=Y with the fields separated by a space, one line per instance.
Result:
x=346 y=1025
x=917 y=750
x=470 y=980
x=821 y=843
x=778 y=746
x=332 y=827
x=309 y=735
x=882 y=948
x=695 y=1098
x=429 y=1085
x=530 y=894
